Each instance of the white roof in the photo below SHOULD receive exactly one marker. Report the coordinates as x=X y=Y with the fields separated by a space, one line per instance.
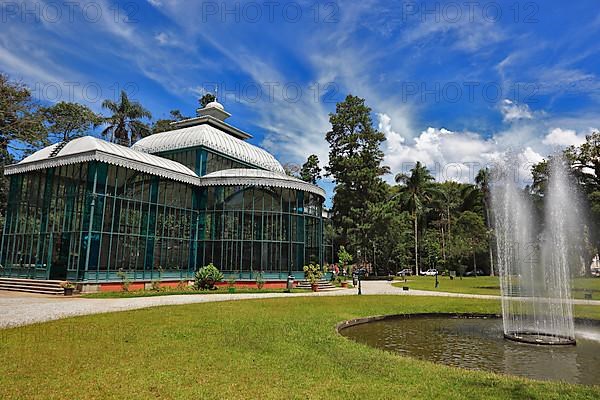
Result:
x=215 y=104
x=212 y=138
x=257 y=177
x=89 y=148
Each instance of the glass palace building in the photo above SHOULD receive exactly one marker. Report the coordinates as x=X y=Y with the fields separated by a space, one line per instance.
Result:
x=90 y=211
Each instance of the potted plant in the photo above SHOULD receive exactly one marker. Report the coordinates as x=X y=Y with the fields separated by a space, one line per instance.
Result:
x=313 y=274
x=68 y=288
x=341 y=280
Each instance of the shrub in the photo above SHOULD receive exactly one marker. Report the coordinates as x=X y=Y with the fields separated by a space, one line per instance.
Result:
x=260 y=281
x=125 y=282
x=345 y=259
x=231 y=284
x=155 y=285
x=313 y=273
x=207 y=276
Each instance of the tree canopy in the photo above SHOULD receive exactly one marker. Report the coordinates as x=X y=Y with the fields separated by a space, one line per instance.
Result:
x=66 y=121
x=206 y=98
x=125 y=125
x=310 y=171
x=355 y=163
x=165 y=125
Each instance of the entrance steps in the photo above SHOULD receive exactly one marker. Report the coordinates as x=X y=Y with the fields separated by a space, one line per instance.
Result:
x=322 y=285
x=31 y=286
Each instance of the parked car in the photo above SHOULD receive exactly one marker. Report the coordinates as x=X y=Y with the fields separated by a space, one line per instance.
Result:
x=430 y=272
x=472 y=273
x=404 y=272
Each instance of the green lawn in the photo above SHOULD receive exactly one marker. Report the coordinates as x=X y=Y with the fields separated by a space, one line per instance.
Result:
x=275 y=348
x=488 y=285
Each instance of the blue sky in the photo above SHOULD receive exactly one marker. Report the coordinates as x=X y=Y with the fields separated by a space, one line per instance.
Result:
x=453 y=84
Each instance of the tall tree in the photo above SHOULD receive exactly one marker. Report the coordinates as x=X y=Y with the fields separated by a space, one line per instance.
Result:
x=125 y=125
x=355 y=159
x=416 y=192
x=390 y=232
x=469 y=238
x=207 y=98
x=310 y=171
x=21 y=129
x=68 y=120
x=21 y=120
x=483 y=182
x=165 y=125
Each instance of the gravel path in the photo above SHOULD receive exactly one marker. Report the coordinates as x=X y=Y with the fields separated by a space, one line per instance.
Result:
x=22 y=309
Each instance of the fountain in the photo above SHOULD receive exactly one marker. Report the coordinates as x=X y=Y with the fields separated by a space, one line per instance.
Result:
x=534 y=250
x=533 y=262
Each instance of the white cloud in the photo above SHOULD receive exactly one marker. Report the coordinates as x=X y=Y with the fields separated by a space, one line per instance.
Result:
x=167 y=39
x=458 y=156
x=513 y=111
x=563 y=138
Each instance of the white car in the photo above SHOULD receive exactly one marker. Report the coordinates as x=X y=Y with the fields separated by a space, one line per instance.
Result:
x=430 y=272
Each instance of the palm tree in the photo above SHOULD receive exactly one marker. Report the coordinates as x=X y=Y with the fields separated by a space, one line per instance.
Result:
x=124 y=126
x=483 y=182
x=417 y=191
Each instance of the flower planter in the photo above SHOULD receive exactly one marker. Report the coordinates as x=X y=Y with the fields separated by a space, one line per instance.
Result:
x=344 y=284
x=314 y=287
x=68 y=291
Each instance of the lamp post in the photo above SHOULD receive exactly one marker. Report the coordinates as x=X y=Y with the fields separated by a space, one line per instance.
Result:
x=359 y=284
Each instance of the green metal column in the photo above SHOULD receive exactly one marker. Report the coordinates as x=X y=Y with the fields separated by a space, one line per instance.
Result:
x=44 y=244
x=149 y=228
x=198 y=227
x=9 y=221
x=300 y=236
x=92 y=218
x=321 y=239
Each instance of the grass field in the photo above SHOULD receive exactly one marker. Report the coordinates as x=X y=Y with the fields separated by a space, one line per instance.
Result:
x=489 y=285
x=255 y=349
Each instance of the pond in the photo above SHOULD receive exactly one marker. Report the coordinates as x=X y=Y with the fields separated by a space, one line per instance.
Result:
x=478 y=344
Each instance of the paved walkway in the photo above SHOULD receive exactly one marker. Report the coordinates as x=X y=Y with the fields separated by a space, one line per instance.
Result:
x=22 y=309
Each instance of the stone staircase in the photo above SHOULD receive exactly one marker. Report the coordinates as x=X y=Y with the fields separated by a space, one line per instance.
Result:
x=31 y=286
x=322 y=285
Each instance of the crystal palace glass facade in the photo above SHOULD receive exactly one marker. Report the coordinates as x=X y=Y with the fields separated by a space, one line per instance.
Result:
x=87 y=210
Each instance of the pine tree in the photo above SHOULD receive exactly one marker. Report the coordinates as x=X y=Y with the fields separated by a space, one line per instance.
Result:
x=311 y=172
x=355 y=159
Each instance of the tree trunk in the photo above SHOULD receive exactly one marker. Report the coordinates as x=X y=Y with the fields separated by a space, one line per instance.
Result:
x=416 y=245
x=474 y=265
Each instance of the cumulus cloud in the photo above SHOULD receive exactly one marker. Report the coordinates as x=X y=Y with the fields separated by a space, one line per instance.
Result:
x=512 y=111
x=450 y=155
x=563 y=138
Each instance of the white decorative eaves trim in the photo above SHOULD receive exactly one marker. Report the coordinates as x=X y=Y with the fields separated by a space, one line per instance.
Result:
x=101 y=157
x=265 y=182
